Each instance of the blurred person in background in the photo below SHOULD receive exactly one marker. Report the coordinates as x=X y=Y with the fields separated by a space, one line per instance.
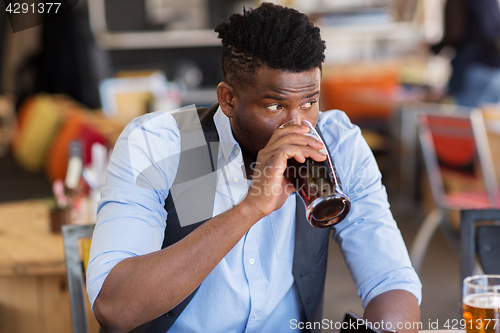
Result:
x=472 y=29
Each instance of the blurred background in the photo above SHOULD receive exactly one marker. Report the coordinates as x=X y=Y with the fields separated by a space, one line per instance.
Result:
x=69 y=86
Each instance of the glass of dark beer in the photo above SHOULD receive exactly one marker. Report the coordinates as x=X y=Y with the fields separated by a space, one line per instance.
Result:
x=481 y=304
x=318 y=185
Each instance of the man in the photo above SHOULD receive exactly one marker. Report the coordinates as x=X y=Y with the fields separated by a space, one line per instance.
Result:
x=256 y=266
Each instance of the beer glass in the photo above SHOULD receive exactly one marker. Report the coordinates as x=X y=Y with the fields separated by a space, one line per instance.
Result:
x=318 y=185
x=481 y=303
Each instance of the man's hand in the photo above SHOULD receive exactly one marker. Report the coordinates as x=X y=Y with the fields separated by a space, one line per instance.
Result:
x=269 y=188
x=398 y=307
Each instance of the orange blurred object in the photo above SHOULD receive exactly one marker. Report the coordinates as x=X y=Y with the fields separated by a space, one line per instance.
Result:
x=48 y=123
x=57 y=161
x=362 y=95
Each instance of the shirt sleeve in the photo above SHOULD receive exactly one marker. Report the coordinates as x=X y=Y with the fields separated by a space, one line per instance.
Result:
x=369 y=239
x=131 y=218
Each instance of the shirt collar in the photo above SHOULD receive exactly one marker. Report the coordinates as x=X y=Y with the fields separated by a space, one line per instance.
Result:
x=228 y=145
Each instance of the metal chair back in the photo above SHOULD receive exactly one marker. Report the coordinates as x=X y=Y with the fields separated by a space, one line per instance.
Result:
x=455 y=141
x=75 y=273
x=479 y=238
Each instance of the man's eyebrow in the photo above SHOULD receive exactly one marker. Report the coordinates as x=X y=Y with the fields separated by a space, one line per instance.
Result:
x=284 y=99
x=313 y=94
x=274 y=97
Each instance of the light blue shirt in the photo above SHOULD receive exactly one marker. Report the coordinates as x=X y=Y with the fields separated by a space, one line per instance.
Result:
x=252 y=289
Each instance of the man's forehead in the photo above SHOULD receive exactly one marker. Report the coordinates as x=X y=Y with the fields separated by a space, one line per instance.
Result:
x=305 y=83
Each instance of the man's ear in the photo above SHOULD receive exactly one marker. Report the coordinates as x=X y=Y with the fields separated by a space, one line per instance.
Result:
x=225 y=96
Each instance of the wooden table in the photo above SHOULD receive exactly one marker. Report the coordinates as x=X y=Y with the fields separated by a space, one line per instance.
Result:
x=34 y=294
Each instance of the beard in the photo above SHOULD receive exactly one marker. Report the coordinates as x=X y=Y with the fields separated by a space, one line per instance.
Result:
x=250 y=139
x=247 y=145
x=250 y=155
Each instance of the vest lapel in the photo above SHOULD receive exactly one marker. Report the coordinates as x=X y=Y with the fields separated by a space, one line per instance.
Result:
x=309 y=263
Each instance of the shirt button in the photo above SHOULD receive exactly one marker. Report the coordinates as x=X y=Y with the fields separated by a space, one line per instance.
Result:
x=169 y=314
x=236 y=151
x=236 y=179
x=251 y=261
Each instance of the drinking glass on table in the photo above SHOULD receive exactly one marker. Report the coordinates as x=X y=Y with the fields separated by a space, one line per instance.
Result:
x=481 y=303
x=318 y=185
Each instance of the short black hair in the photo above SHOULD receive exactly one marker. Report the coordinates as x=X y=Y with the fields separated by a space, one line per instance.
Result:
x=271 y=35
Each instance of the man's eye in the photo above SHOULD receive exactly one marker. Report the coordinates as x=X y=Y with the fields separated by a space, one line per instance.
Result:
x=274 y=107
x=308 y=105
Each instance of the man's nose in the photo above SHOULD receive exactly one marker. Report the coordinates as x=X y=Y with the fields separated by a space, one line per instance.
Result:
x=295 y=115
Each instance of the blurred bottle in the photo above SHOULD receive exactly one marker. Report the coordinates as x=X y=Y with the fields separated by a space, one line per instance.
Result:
x=73 y=184
x=75 y=165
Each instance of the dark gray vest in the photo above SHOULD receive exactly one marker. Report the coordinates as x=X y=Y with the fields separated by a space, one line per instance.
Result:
x=311 y=244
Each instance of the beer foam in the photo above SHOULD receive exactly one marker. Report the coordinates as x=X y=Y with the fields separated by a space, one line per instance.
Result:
x=485 y=301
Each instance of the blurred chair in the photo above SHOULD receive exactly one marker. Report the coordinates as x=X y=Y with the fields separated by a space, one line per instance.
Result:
x=479 y=237
x=405 y=130
x=76 y=249
x=460 y=171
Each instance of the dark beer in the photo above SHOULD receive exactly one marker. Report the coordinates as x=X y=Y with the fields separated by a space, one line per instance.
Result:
x=318 y=186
